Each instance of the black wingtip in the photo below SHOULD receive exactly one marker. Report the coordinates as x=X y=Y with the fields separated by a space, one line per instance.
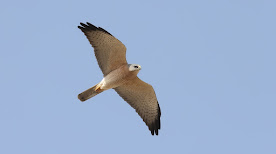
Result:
x=90 y=27
x=81 y=28
x=156 y=125
x=89 y=24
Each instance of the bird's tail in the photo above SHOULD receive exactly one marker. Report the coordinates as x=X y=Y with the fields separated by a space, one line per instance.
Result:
x=89 y=93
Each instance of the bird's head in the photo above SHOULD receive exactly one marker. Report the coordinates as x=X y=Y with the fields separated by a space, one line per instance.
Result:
x=134 y=67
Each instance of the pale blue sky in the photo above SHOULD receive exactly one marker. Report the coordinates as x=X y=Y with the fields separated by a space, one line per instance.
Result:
x=212 y=64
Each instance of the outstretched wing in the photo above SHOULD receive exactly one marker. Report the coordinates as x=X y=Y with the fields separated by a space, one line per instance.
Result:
x=109 y=51
x=142 y=98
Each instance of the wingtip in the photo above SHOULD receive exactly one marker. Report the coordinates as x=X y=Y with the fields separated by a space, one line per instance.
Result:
x=88 y=23
x=90 y=27
x=84 y=25
x=154 y=130
x=156 y=125
x=81 y=28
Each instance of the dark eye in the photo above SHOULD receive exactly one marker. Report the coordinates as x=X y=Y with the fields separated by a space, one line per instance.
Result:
x=135 y=66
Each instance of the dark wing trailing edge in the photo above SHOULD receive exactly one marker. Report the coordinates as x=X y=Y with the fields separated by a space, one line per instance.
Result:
x=89 y=27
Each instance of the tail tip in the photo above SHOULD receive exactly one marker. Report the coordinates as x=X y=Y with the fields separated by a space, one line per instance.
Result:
x=81 y=98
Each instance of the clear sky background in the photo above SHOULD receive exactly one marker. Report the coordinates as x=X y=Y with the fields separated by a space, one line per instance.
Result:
x=212 y=64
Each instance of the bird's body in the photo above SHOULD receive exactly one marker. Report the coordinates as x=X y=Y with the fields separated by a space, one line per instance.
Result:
x=118 y=77
x=114 y=79
x=121 y=76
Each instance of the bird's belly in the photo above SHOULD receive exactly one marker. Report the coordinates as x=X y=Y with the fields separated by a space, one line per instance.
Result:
x=113 y=80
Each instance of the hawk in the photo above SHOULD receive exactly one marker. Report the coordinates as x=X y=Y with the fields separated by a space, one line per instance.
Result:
x=121 y=76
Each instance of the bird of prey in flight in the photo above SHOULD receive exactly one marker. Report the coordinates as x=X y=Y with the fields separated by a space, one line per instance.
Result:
x=121 y=76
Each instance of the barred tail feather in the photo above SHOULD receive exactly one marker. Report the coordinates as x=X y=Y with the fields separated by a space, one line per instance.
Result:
x=89 y=93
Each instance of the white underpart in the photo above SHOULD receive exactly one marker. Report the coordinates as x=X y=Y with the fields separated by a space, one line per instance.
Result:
x=103 y=83
x=108 y=83
x=112 y=80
